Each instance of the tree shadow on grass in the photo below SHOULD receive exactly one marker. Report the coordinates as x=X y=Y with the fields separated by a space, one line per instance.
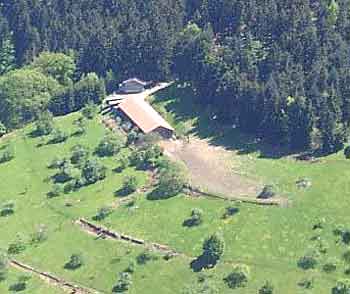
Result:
x=158 y=194
x=200 y=263
x=181 y=102
x=122 y=192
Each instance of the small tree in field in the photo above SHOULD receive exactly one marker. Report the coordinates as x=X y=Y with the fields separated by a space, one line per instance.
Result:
x=341 y=287
x=75 y=261
x=124 y=283
x=80 y=154
x=44 y=124
x=81 y=125
x=267 y=288
x=21 y=284
x=102 y=213
x=196 y=218
x=3 y=129
x=17 y=246
x=7 y=209
x=58 y=136
x=93 y=172
x=90 y=110
x=110 y=145
x=130 y=184
x=238 y=277
x=213 y=249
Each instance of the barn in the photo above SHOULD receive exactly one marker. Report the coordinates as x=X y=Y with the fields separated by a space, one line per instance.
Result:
x=144 y=116
x=132 y=86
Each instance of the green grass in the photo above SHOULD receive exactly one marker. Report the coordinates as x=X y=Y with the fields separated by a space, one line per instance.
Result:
x=270 y=240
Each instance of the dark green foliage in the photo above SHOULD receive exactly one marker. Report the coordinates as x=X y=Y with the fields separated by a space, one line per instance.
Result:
x=146 y=157
x=341 y=287
x=196 y=218
x=230 y=211
x=308 y=261
x=124 y=283
x=79 y=154
x=3 y=129
x=145 y=257
x=213 y=249
x=109 y=145
x=267 y=288
x=347 y=152
x=21 y=284
x=306 y=283
x=44 y=124
x=267 y=192
x=238 y=277
x=75 y=262
x=330 y=266
x=93 y=171
x=8 y=154
x=90 y=110
x=16 y=247
x=58 y=136
x=130 y=184
x=7 y=209
x=103 y=213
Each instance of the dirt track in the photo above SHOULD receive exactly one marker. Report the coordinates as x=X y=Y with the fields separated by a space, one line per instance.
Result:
x=211 y=168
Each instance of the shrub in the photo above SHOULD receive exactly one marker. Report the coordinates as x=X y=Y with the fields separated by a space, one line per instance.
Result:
x=267 y=288
x=56 y=191
x=16 y=247
x=124 y=161
x=124 y=283
x=75 y=262
x=66 y=173
x=93 y=172
x=213 y=249
x=145 y=257
x=90 y=110
x=109 y=145
x=146 y=157
x=3 y=129
x=7 y=209
x=58 y=136
x=306 y=283
x=102 y=213
x=330 y=266
x=8 y=154
x=347 y=152
x=172 y=180
x=57 y=163
x=230 y=211
x=341 y=287
x=21 y=284
x=40 y=235
x=267 y=192
x=130 y=184
x=79 y=154
x=308 y=261
x=196 y=218
x=238 y=277
x=132 y=137
x=81 y=125
x=44 y=124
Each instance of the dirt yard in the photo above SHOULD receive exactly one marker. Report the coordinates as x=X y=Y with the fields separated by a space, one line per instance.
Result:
x=211 y=168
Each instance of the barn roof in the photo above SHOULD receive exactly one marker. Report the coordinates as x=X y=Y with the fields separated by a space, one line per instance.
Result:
x=143 y=114
x=136 y=80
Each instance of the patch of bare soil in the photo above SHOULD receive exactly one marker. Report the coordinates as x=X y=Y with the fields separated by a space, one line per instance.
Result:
x=211 y=168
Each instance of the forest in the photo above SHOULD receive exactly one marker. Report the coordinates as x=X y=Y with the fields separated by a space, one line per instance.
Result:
x=277 y=69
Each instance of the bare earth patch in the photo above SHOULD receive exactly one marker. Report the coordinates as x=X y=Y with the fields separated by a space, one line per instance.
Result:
x=211 y=168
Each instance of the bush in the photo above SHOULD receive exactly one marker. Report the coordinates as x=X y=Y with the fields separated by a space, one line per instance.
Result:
x=79 y=154
x=130 y=184
x=57 y=163
x=90 y=110
x=16 y=247
x=342 y=287
x=213 y=249
x=44 y=124
x=8 y=154
x=238 y=277
x=102 y=213
x=109 y=146
x=58 y=136
x=124 y=283
x=230 y=211
x=3 y=130
x=172 y=180
x=145 y=257
x=75 y=262
x=66 y=173
x=56 y=191
x=146 y=157
x=267 y=192
x=124 y=161
x=7 y=209
x=196 y=218
x=306 y=283
x=81 y=125
x=93 y=172
x=330 y=266
x=347 y=152
x=21 y=284
x=308 y=261
x=267 y=288
x=132 y=137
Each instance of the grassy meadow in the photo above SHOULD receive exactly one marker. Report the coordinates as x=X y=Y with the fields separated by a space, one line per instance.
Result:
x=270 y=240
